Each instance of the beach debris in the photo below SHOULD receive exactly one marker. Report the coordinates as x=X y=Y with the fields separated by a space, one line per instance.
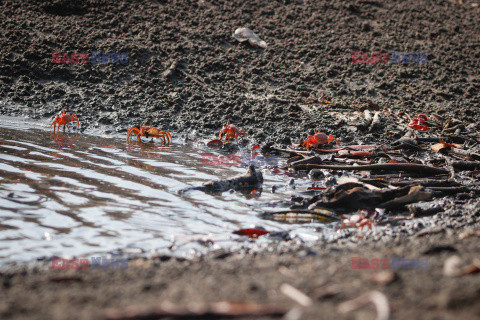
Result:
x=301 y=215
x=419 y=123
x=63 y=119
x=377 y=121
x=442 y=146
x=354 y=196
x=215 y=144
x=248 y=181
x=454 y=150
x=469 y=233
x=452 y=267
x=327 y=290
x=384 y=277
x=231 y=132
x=317 y=139
x=404 y=167
x=466 y=165
x=294 y=314
x=171 y=69
x=369 y=105
x=296 y=295
x=244 y=34
x=217 y=310
x=252 y=233
x=422 y=209
x=148 y=132
x=378 y=299
x=316 y=188
x=354 y=154
x=472 y=268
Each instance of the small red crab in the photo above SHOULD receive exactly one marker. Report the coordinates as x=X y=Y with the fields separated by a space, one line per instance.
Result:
x=63 y=120
x=231 y=132
x=149 y=132
x=317 y=139
x=359 y=221
x=419 y=123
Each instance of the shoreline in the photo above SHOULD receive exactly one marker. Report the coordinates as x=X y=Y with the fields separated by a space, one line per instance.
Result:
x=324 y=273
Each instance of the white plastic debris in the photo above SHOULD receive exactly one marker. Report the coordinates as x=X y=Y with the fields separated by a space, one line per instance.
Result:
x=244 y=34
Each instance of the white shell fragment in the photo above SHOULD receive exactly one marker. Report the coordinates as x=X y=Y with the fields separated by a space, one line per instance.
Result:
x=244 y=34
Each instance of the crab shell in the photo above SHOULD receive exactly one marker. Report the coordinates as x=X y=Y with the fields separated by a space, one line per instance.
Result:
x=321 y=138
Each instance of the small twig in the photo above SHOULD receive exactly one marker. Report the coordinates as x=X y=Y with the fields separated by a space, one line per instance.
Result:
x=428 y=183
x=376 y=297
x=455 y=139
x=293 y=212
x=406 y=167
x=309 y=160
x=466 y=165
x=309 y=153
x=296 y=295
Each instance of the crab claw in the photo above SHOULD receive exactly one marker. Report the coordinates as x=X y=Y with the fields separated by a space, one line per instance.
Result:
x=331 y=138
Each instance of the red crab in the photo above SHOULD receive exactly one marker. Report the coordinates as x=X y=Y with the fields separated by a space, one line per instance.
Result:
x=317 y=139
x=63 y=120
x=419 y=123
x=149 y=132
x=231 y=132
x=359 y=221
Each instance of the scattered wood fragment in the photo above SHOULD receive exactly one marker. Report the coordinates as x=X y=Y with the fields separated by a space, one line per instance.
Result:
x=404 y=167
x=429 y=231
x=308 y=160
x=469 y=233
x=300 y=214
x=415 y=194
x=453 y=267
x=327 y=291
x=466 y=165
x=296 y=295
x=428 y=183
x=384 y=277
x=378 y=299
x=354 y=195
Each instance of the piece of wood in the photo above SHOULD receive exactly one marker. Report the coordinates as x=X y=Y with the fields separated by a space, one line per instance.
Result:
x=400 y=167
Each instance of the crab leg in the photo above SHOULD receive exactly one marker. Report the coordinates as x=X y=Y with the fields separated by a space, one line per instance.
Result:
x=133 y=131
x=220 y=135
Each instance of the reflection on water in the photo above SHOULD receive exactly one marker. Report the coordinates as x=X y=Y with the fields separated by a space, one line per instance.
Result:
x=72 y=194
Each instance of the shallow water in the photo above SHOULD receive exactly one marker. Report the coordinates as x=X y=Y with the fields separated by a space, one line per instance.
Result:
x=81 y=194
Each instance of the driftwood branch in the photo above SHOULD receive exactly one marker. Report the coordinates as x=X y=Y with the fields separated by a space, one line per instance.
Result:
x=405 y=167
x=466 y=165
